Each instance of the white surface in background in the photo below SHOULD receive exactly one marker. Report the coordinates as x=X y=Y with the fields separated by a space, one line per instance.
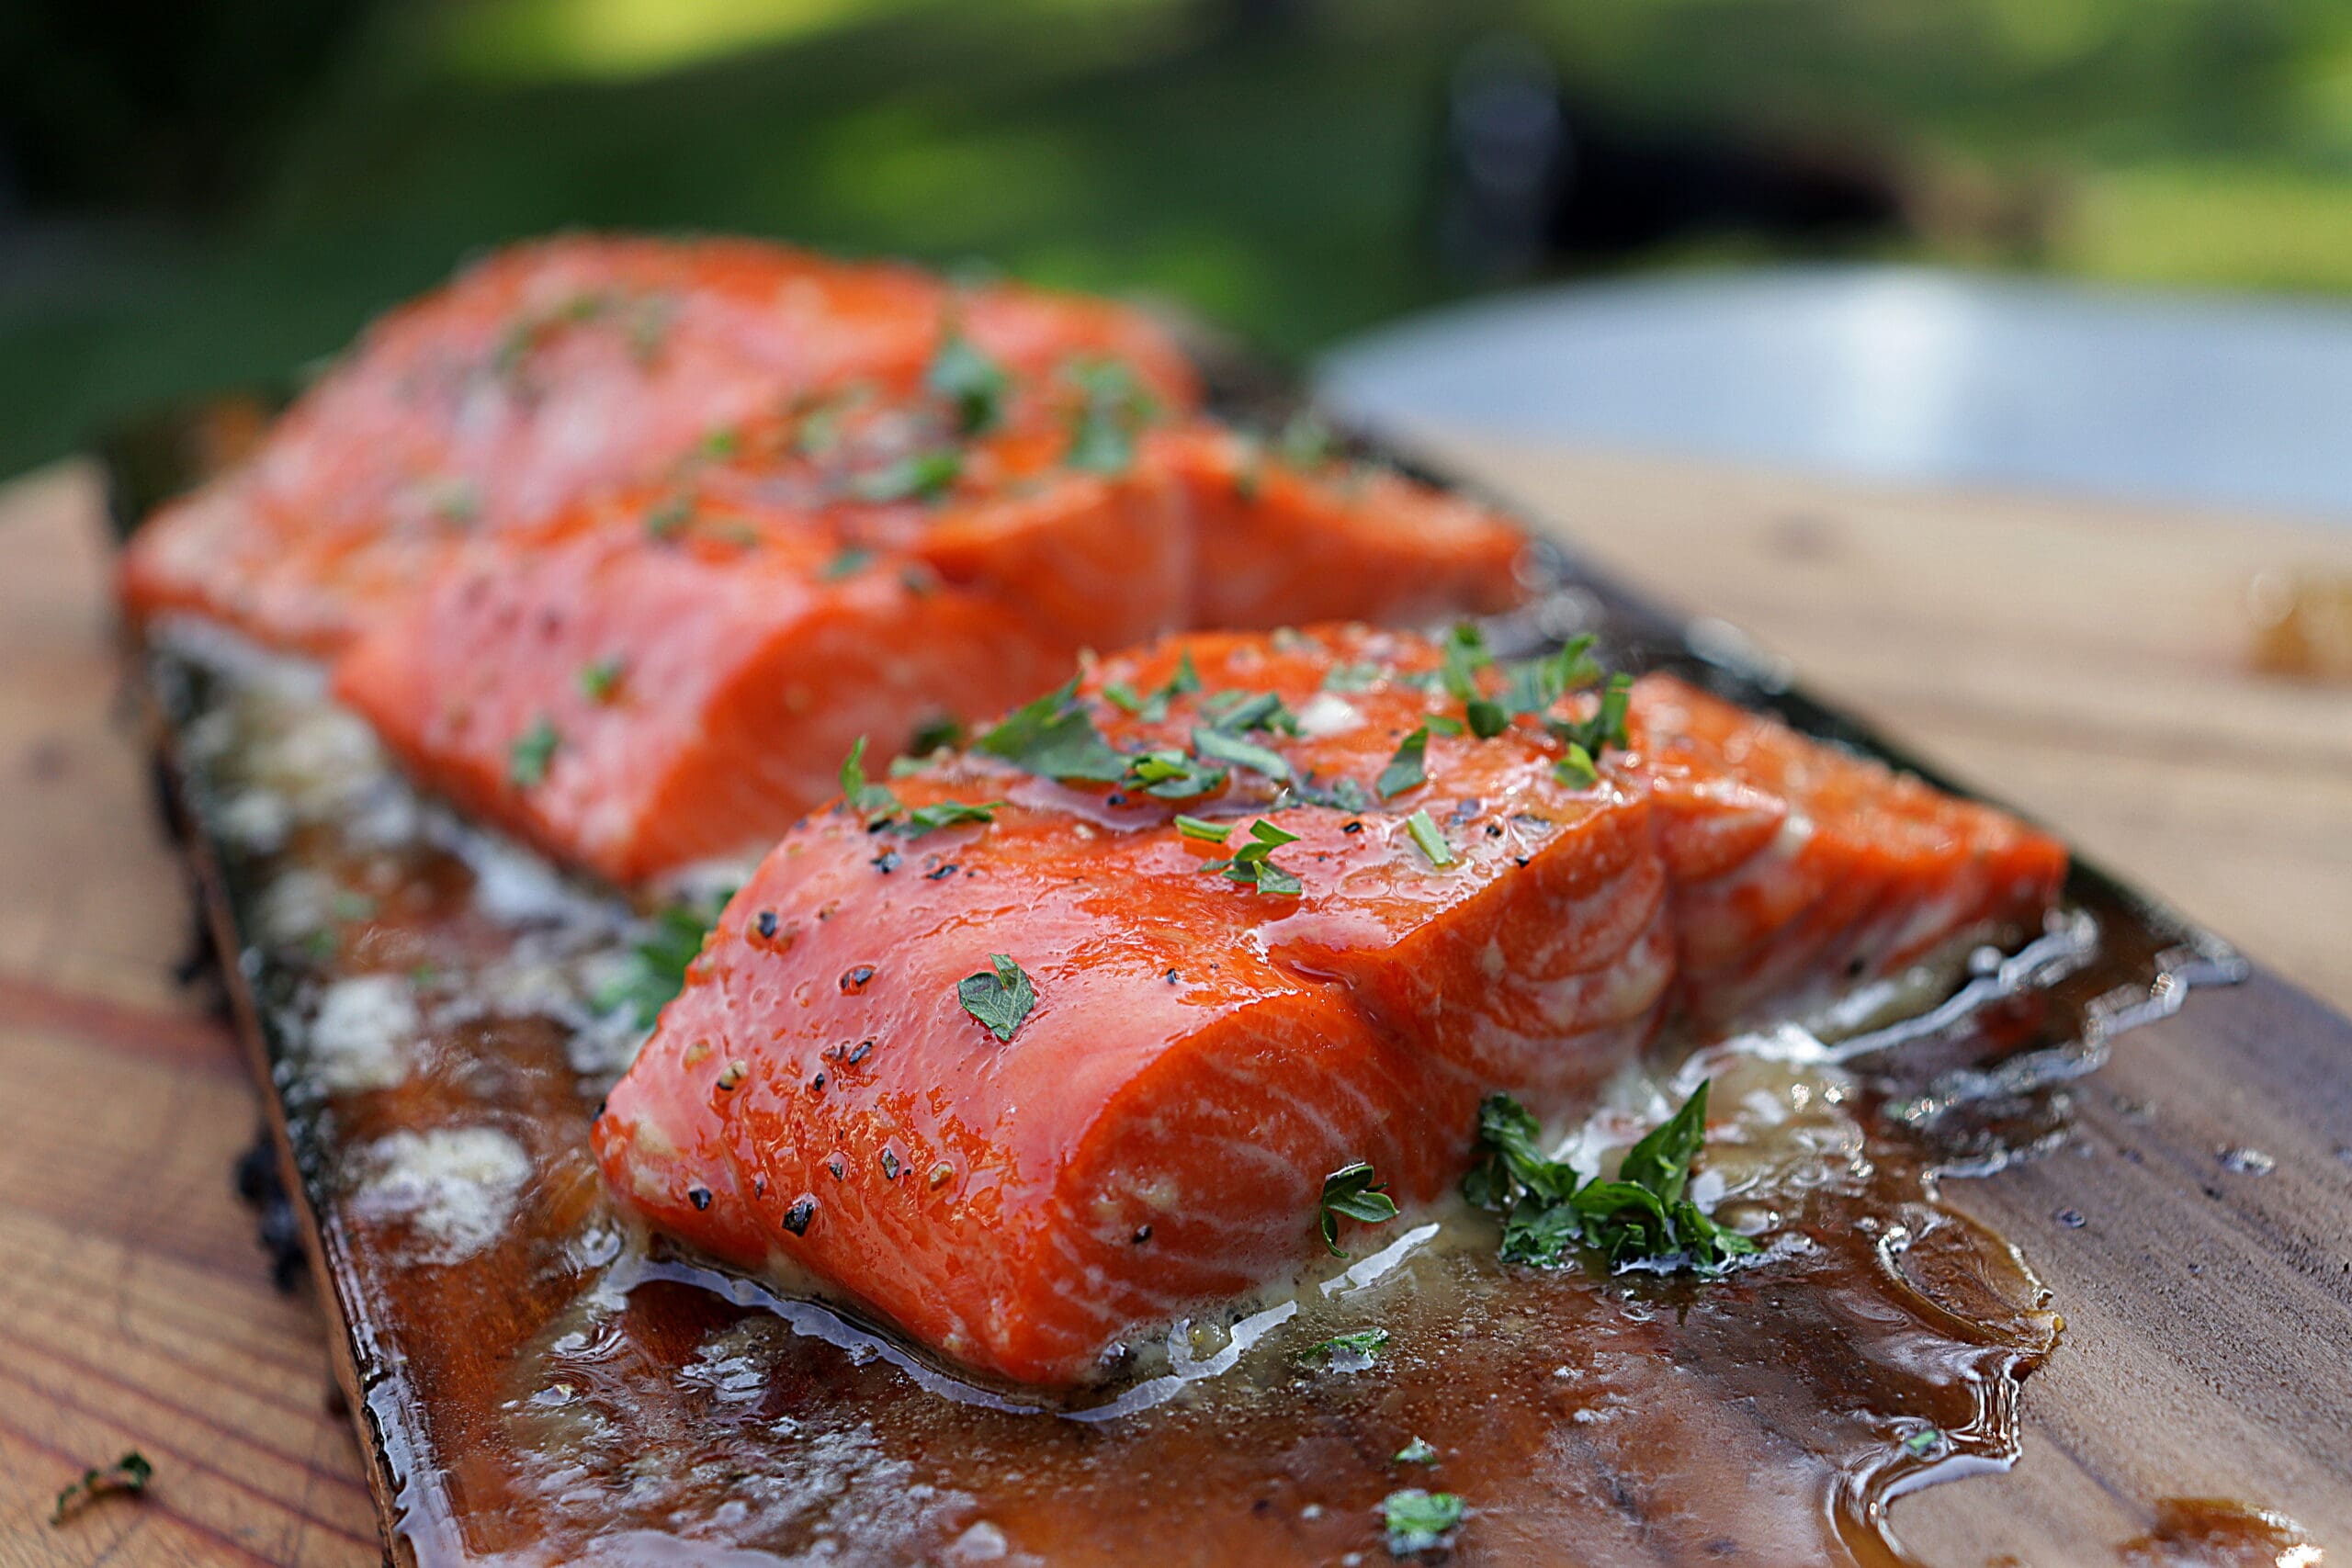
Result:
x=1895 y=373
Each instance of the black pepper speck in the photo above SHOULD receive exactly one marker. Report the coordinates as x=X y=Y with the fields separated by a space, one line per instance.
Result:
x=698 y=1196
x=766 y=925
x=856 y=979
x=796 y=1218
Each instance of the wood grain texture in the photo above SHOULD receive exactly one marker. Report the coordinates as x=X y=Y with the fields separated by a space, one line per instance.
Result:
x=2104 y=690
x=135 y=1309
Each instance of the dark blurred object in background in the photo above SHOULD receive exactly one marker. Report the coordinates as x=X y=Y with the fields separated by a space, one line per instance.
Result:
x=160 y=107
x=1532 y=177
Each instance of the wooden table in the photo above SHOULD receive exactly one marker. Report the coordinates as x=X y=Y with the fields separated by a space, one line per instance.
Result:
x=2088 y=663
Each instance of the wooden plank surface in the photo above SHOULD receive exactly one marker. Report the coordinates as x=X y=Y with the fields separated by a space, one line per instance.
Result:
x=2105 y=689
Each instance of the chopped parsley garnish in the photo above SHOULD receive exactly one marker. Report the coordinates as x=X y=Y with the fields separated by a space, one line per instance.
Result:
x=1643 y=1216
x=1417 y=1520
x=1220 y=746
x=600 y=680
x=920 y=476
x=1237 y=713
x=1168 y=774
x=1408 y=768
x=968 y=379
x=858 y=795
x=669 y=520
x=1607 y=724
x=1250 y=864
x=1575 y=768
x=946 y=814
x=1113 y=407
x=1532 y=685
x=1000 y=996
x=1056 y=737
x=1414 y=1453
x=882 y=808
x=932 y=734
x=1207 y=833
x=656 y=970
x=846 y=563
x=126 y=1477
x=1351 y=1192
x=1343 y=795
x=1364 y=1342
x=1432 y=842
x=1923 y=1442
x=528 y=758
x=720 y=443
x=1153 y=708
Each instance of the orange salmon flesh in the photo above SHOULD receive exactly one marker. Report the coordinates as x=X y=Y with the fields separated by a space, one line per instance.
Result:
x=1202 y=1051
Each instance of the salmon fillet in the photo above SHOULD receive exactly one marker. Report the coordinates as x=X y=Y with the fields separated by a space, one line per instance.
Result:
x=545 y=374
x=1199 y=1052
x=1286 y=536
x=675 y=673
x=1799 y=868
x=1202 y=1053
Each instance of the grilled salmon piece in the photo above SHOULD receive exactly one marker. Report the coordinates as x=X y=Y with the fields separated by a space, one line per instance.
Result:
x=1202 y=1051
x=1287 y=536
x=1799 y=868
x=550 y=372
x=674 y=672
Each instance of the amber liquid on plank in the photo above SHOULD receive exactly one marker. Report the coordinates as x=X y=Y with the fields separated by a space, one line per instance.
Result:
x=549 y=1385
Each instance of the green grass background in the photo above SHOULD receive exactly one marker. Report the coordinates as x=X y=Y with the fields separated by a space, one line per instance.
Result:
x=1274 y=178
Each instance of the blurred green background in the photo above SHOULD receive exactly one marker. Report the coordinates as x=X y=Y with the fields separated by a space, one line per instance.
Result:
x=192 y=195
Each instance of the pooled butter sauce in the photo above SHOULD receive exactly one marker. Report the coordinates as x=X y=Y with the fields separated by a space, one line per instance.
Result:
x=550 y=1386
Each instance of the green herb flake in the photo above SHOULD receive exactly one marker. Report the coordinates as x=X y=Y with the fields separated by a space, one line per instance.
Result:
x=920 y=476
x=1168 y=774
x=669 y=520
x=1250 y=864
x=1207 y=833
x=127 y=1477
x=846 y=563
x=1363 y=1345
x=1923 y=1442
x=1219 y=746
x=1351 y=1192
x=1055 y=737
x=1607 y=724
x=528 y=758
x=1641 y=1217
x=1113 y=408
x=1418 y=1521
x=600 y=680
x=721 y=445
x=871 y=799
x=969 y=381
x=1408 y=769
x=1417 y=1451
x=1351 y=677
x=1432 y=842
x=936 y=733
x=658 y=959
x=999 y=996
x=946 y=814
x=1575 y=768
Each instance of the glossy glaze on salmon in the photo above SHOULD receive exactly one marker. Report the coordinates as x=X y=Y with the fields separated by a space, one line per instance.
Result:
x=1292 y=531
x=674 y=672
x=1801 y=868
x=1203 y=1051
x=546 y=374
